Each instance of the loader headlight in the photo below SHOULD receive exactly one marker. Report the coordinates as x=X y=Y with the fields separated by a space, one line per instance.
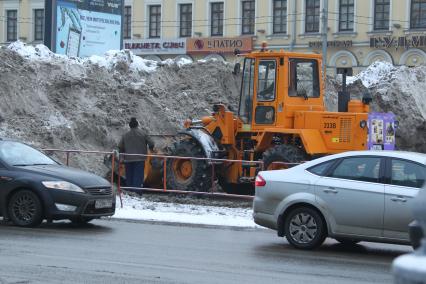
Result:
x=363 y=124
x=62 y=185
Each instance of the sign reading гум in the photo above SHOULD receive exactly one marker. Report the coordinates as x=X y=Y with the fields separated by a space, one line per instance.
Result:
x=397 y=42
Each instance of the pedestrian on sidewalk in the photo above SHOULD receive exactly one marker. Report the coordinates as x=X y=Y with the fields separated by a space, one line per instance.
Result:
x=135 y=141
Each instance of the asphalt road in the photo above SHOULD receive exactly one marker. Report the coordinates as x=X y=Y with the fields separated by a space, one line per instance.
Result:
x=123 y=252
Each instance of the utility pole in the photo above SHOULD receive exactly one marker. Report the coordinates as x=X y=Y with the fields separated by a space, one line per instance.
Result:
x=324 y=35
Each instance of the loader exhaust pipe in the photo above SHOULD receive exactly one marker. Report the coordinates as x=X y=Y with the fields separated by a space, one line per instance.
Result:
x=343 y=97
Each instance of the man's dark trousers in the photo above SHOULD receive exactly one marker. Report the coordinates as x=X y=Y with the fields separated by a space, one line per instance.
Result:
x=134 y=173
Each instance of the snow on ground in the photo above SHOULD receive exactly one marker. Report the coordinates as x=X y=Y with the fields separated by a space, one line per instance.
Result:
x=139 y=208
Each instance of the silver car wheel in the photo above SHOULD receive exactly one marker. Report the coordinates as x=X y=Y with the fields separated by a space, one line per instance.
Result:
x=303 y=228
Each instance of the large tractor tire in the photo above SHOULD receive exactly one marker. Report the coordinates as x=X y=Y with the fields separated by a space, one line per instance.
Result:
x=282 y=153
x=188 y=174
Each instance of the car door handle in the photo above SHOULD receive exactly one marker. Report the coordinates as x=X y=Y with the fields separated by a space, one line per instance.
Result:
x=330 y=190
x=398 y=199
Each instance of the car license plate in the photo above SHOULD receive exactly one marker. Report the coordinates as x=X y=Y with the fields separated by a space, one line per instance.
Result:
x=103 y=203
x=377 y=147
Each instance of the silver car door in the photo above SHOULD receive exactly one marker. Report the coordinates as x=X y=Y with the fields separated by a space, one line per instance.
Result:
x=353 y=195
x=406 y=179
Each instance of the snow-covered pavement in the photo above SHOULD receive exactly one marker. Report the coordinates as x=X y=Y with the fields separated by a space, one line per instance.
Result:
x=139 y=208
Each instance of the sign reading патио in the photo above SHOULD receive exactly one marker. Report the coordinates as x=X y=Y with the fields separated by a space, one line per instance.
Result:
x=219 y=45
x=81 y=28
x=398 y=42
x=156 y=46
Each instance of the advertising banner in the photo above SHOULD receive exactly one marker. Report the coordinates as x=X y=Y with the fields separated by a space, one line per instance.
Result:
x=82 y=28
x=156 y=46
x=381 y=130
x=219 y=45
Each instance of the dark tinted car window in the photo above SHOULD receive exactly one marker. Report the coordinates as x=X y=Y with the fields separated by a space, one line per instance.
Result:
x=360 y=168
x=405 y=173
x=18 y=154
x=321 y=169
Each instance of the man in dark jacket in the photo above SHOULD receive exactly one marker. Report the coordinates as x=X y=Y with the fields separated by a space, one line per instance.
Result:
x=135 y=141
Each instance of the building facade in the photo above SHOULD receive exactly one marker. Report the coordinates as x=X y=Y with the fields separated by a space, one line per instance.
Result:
x=359 y=31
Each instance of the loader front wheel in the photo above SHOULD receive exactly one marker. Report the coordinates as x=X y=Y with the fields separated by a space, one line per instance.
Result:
x=282 y=157
x=188 y=174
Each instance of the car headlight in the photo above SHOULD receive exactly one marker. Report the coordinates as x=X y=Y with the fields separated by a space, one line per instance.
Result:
x=63 y=185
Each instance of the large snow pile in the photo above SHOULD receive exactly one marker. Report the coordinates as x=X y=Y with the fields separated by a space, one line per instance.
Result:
x=397 y=89
x=54 y=101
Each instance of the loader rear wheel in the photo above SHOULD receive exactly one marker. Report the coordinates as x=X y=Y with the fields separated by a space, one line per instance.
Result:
x=282 y=153
x=188 y=174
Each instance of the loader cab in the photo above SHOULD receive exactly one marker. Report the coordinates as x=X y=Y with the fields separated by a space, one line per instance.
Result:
x=258 y=92
x=275 y=85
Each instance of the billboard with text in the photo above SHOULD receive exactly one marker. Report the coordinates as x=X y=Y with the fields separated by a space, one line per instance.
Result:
x=82 y=28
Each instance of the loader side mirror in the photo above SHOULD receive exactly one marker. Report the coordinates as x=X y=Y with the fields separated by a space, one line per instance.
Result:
x=237 y=68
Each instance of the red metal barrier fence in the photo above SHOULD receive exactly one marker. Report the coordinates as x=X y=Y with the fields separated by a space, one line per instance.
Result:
x=164 y=158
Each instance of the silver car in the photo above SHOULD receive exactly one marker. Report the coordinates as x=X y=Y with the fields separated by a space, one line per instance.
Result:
x=352 y=197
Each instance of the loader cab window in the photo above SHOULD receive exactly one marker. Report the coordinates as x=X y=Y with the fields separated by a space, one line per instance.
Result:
x=246 y=97
x=264 y=115
x=304 y=78
x=266 y=81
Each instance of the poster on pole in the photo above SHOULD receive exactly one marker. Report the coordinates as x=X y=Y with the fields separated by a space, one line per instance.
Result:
x=381 y=131
x=82 y=28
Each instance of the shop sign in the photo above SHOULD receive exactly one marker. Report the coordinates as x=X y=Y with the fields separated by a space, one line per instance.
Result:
x=219 y=45
x=398 y=42
x=334 y=43
x=156 y=46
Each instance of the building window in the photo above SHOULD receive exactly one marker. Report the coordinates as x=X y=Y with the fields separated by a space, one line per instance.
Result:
x=154 y=21
x=418 y=14
x=12 y=25
x=312 y=20
x=185 y=20
x=217 y=19
x=381 y=14
x=280 y=17
x=127 y=22
x=346 y=15
x=248 y=17
x=38 y=24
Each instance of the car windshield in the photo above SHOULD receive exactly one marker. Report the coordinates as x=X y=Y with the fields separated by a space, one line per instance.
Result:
x=19 y=154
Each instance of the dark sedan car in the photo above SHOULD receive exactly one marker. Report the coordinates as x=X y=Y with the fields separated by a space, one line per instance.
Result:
x=33 y=187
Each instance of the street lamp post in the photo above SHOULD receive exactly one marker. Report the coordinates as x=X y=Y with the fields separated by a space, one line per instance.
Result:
x=411 y=268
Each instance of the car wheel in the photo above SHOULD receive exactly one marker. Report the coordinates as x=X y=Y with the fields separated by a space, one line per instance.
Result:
x=25 y=209
x=347 y=242
x=304 y=228
x=81 y=220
